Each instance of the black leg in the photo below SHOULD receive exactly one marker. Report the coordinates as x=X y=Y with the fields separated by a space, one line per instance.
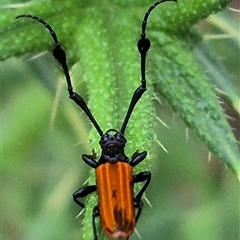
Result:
x=139 y=205
x=137 y=158
x=90 y=159
x=141 y=177
x=95 y=214
x=83 y=192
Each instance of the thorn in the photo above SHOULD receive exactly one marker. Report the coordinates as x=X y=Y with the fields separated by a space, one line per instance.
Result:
x=36 y=56
x=80 y=213
x=147 y=201
x=15 y=6
x=161 y=145
x=162 y=122
x=137 y=233
x=155 y=97
x=187 y=134
x=234 y=10
x=209 y=156
x=86 y=181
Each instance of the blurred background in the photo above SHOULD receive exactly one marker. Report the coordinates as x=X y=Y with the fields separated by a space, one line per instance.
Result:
x=192 y=197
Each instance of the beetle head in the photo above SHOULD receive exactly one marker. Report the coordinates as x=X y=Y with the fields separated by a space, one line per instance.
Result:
x=112 y=143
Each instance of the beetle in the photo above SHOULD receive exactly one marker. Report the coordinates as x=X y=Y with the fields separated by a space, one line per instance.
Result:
x=114 y=171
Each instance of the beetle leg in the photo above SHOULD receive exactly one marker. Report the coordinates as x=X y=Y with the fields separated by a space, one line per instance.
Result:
x=139 y=205
x=141 y=177
x=95 y=214
x=90 y=159
x=83 y=192
x=137 y=158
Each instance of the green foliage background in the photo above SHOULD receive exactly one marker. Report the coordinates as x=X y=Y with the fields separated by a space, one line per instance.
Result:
x=44 y=134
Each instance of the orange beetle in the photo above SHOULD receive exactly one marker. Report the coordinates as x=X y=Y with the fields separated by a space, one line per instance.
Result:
x=114 y=172
x=114 y=185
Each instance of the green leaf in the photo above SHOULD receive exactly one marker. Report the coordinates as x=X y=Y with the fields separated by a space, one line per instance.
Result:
x=193 y=96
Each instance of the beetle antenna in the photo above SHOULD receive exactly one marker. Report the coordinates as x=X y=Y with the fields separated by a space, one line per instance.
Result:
x=144 y=22
x=143 y=47
x=60 y=55
x=46 y=25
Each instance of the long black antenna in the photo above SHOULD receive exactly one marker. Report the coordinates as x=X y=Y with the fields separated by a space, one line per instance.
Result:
x=60 y=55
x=143 y=47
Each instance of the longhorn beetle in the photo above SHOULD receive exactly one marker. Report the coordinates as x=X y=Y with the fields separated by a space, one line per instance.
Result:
x=114 y=171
